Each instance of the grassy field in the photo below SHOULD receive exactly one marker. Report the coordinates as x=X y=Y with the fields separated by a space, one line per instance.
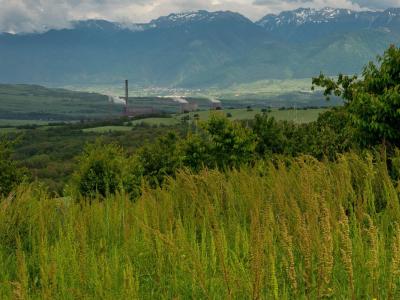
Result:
x=104 y=129
x=157 y=121
x=298 y=116
x=8 y=130
x=12 y=122
x=316 y=230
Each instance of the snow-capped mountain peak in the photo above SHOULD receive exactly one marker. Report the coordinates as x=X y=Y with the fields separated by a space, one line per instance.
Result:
x=178 y=19
x=96 y=24
x=186 y=16
x=302 y=16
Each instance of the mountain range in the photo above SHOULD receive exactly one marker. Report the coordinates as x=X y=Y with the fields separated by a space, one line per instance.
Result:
x=200 y=49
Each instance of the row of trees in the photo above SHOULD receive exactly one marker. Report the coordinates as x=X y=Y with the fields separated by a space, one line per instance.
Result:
x=219 y=143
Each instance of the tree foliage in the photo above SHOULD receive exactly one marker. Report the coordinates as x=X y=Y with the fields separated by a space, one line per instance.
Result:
x=10 y=174
x=160 y=159
x=101 y=171
x=373 y=101
x=230 y=143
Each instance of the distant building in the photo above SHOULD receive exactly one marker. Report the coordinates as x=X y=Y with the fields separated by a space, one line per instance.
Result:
x=189 y=107
x=216 y=105
x=140 y=111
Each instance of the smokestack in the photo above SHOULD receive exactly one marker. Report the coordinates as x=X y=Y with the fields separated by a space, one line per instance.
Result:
x=126 y=96
x=125 y=99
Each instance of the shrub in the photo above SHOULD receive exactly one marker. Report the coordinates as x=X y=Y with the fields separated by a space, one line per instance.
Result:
x=160 y=159
x=270 y=137
x=10 y=175
x=101 y=170
x=231 y=144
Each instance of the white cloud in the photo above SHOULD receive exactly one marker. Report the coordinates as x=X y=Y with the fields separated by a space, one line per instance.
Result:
x=37 y=15
x=378 y=4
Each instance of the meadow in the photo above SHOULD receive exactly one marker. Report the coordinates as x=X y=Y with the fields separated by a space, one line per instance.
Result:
x=292 y=229
x=297 y=116
x=16 y=122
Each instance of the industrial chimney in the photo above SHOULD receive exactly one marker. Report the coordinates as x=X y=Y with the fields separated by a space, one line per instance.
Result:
x=126 y=97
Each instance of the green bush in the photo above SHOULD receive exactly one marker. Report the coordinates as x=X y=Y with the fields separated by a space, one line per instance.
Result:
x=10 y=175
x=231 y=144
x=101 y=171
x=160 y=159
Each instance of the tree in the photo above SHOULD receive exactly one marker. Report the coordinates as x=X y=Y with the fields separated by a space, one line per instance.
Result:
x=230 y=143
x=270 y=137
x=373 y=101
x=160 y=159
x=196 y=151
x=102 y=168
x=10 y=175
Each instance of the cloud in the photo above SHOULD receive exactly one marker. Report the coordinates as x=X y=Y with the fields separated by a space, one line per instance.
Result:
x=277 y=5
x=378 y=4
x=39 y=15
x=18 y=16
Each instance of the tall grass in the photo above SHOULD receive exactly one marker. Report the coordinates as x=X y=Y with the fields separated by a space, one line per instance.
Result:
x=299 y=229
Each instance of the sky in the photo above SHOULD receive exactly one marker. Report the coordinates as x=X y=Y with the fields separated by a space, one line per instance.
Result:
x=39 y=15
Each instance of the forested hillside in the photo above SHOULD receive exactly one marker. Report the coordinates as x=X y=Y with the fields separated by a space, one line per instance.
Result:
x=31 y=102
x=200 y=49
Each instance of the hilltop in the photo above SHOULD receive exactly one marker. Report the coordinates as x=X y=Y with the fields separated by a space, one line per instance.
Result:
x=35 y=102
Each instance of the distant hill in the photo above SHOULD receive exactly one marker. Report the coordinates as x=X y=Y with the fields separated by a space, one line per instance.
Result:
x=34 y=102
x=200 y=49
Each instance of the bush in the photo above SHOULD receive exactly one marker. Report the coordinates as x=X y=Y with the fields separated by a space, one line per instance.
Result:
x=101 y=171
x=10 y=175
x=231 y=144
x=270 y=137
x=159 y=159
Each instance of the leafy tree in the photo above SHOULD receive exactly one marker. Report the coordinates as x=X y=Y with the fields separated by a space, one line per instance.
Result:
x=102 y=168
x=333 y=134
x=10 y=175
x=372 y=101
x=231 y=144
x=196 y=151
x=270 y=137
x=132 y=180
x=160 y=159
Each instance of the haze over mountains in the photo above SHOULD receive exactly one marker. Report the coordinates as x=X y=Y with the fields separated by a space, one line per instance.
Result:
x=200 y=49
